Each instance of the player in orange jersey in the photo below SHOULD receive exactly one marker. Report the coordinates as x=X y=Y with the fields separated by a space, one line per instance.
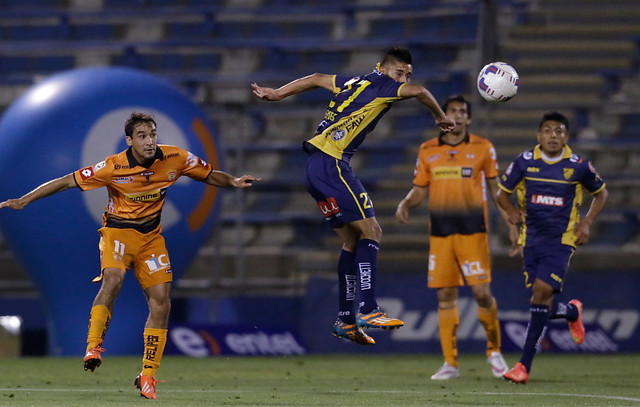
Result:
x=131 y=236
x=454 y=171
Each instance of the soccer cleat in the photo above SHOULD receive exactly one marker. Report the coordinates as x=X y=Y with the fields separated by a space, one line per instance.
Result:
x=377 y=319
x=352 y=333
x=576 y=327
x=147 y=386
x=446 y=372
x=498 y=365
x=518 y=374
x=93 y=359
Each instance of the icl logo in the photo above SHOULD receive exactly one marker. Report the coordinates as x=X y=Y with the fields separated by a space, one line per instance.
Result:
x=156 y=263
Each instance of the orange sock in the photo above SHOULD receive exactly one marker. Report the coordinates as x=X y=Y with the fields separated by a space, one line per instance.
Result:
x=449 y=321
x=489 y=319
x=98 y=324
x=154 y=341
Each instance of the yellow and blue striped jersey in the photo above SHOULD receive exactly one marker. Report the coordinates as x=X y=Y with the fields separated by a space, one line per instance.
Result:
x=550 y=193
x=357 y=106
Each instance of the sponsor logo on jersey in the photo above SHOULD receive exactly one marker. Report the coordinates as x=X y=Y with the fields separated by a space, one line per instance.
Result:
x=86 y=172
x=547 y=200
x=433 y=157
x=527 y=155
x=99 y=166
x=148 y=196
x=447 y=173
x=533 y=169
x=123 y=180
x=467 y=172
x=192 y=160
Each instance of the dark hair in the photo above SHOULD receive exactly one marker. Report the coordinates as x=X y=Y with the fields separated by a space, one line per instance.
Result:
x=555 y=116
x=457 y=98
x=398 y=53
x=135 y=119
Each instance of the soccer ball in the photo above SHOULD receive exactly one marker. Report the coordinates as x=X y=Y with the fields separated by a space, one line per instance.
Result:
x=498 y=82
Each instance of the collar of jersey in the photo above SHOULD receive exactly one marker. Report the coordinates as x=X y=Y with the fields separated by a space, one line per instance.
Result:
x=443 y=143
x=537 y=154
x=133 y=162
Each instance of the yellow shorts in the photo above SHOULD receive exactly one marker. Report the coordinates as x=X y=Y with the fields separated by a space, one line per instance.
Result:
x=146 y=253
x=456 y=256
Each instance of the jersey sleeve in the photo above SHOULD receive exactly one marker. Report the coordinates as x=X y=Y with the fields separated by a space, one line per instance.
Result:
x=93 y=177
x=490 y=164
x=339 y=81
x=512 y=175
x=195 y=167
x=422 y=172
x=590 y=178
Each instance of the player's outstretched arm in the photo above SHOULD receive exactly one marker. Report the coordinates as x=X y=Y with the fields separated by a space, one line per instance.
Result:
x=426 y=98
x=316 y=80
x=224 y=180
x=46 y=189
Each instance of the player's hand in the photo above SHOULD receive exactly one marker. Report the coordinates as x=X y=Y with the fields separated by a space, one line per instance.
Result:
x=445 y=123
x=516 y=216
x=261 y=93
x=582 y=233
x=515 y=249
x=245 y=181
x=16 y=204
x=402 y=213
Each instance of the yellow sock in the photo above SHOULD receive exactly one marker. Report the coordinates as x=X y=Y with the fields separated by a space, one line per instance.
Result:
x=154 y=341
x=489 y=319
x=449 y=321
x=98 y=324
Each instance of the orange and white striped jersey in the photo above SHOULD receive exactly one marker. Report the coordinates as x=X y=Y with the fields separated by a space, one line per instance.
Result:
x=456 y=176
x=137 y=191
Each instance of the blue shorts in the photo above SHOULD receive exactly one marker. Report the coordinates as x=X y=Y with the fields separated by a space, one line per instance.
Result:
x=549 y=263
x=338 y=192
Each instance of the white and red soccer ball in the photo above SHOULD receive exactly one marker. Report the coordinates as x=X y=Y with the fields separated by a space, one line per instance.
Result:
x=498 y=82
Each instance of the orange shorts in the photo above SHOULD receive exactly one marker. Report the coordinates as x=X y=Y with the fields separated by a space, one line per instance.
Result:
x=146 y=253
x=456 y=256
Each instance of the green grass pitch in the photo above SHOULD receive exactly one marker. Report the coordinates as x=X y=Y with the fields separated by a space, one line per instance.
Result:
x=322 y=380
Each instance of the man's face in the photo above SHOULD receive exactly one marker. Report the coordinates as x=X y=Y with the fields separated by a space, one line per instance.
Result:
x=458 y=111
x=552 y=137
x=398 y=71
x=143 y=142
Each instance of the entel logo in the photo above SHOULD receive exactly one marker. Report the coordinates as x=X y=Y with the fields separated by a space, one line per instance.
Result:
x=202 y=343
x=621 y=324
x=547 y=200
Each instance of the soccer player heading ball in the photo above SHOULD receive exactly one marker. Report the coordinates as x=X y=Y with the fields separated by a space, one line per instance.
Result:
x=357 y=105
x=548 y=181
x=136 y=180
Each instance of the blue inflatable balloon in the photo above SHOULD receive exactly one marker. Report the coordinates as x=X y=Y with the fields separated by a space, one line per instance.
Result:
x=76 y=119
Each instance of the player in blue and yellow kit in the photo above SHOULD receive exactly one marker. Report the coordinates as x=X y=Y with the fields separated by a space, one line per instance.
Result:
x=549 y=181
x=357 y=106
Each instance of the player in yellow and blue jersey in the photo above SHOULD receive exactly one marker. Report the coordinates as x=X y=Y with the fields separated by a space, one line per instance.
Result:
x=549 y=181
x=357 y=105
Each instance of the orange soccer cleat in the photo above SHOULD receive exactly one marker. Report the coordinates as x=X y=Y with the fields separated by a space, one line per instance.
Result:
x=518 y=374
x=576 y=327
x=352 y=333
x=147 y=386
x=378 y=319
x=93 y=359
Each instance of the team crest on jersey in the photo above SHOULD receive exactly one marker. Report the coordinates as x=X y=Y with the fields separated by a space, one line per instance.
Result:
x=567 y=172
x=470 y=156
x=171 y=175
x=338 y=135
